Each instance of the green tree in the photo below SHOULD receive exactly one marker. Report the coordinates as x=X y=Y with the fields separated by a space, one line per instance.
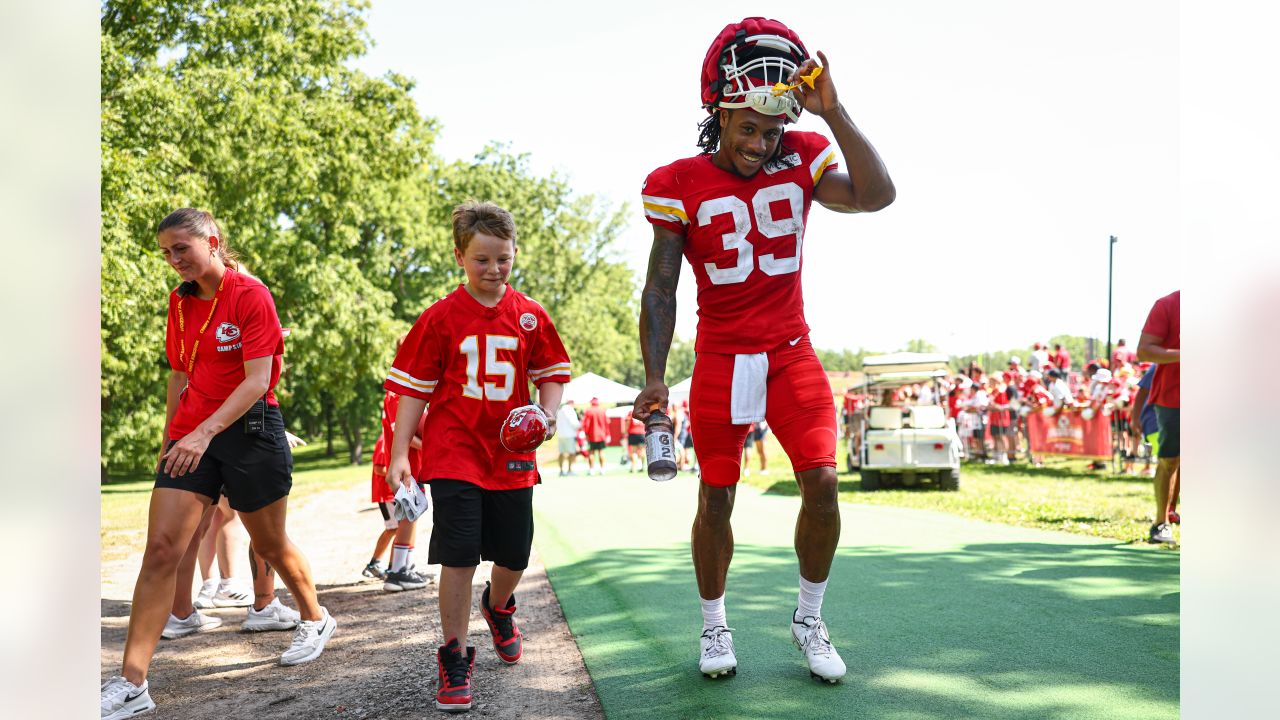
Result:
x=325 y=182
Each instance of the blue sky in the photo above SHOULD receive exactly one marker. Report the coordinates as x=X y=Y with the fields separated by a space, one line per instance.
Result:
x=1020 y=136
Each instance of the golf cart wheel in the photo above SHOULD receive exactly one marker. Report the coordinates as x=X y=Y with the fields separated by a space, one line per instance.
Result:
x=949 y=479
x=870 y=480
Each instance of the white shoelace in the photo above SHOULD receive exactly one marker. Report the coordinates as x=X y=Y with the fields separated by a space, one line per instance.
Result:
x=817 y=642
x=719 y=643
x=308 y=630
x=114 y=691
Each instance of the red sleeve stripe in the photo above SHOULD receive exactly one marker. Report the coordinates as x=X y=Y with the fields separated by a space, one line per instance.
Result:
x=557 y=369
x=401 y=377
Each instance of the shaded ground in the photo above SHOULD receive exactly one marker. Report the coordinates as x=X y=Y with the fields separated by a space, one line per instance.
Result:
x=381 y=661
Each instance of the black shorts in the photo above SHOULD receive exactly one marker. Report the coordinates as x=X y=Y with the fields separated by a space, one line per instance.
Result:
x=635 y=440
x=980 y=430
x=595 y=445
x=1167 y=418
x=759 y=433
x=473 y=524
x=749 y=440
x=1000 y=431
x=253 y=470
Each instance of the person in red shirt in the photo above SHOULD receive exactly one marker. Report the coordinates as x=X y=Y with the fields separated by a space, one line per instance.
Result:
x=595 y=423
x=400 y=573
x=738 y=213
x=473 y=354
x=1122 y=355
x=999 y=420
x=1161 y=343
x=223 y=434
x=1061 y=358
x=634 y=428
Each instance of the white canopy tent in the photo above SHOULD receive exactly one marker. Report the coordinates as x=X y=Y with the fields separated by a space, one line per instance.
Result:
x=679 y=392
x=581 y=389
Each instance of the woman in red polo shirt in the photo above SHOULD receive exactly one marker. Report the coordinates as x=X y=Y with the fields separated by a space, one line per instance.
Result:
x=223 y=434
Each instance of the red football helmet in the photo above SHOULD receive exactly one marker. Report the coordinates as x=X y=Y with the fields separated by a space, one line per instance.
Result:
x=524 y=429
x=745 y=61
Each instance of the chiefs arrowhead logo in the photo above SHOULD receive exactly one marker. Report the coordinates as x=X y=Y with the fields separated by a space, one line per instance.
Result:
x=528 y=321
x=227 y=332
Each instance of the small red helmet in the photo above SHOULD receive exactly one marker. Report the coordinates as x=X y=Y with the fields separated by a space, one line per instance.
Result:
x=744 y=63
x=524 y=429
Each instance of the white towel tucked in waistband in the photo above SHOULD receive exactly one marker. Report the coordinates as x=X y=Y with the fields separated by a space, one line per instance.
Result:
x=747 y=397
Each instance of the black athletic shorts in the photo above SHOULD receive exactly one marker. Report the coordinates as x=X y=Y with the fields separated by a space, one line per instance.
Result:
x=473 y=524
x=253 y=470
x=1167 y=419
x=999 y=430
x=595 y=445
x=635 y=439
x=749 y=440
x=759 y=433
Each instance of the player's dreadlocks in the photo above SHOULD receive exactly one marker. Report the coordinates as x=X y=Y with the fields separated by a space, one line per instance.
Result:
x=709 y=137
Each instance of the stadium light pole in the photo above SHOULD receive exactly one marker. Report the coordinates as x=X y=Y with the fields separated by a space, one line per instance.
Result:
x=1111 y=254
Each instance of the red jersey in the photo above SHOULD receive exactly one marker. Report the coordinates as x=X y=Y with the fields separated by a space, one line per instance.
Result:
x=473 y=364
x=744 y=239
x=996 y=416
x=240 y=324
x=1164 y=322
x=1062 y=359
x=595 y=424
x=390 y=406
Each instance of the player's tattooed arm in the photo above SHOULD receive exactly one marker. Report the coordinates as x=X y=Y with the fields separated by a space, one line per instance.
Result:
x=658 y=317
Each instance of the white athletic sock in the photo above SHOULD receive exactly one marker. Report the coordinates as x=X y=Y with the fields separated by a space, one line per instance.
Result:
x=400 y=555
x=713 y=613
x=811 y=593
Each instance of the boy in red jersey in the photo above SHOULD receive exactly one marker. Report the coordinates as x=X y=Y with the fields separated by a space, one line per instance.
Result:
x=738 y=213
x=473 y=354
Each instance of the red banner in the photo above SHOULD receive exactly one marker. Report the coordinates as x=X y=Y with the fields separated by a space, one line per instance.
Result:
x=1068 y=433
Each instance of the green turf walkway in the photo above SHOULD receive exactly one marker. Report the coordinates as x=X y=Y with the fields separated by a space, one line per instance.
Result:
x=937 y=616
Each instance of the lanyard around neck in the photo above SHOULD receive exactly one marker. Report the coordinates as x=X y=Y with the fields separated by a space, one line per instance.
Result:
x=182 y=328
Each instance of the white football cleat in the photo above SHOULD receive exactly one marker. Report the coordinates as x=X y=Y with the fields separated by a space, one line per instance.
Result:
x=717 y=652
x=810 y=635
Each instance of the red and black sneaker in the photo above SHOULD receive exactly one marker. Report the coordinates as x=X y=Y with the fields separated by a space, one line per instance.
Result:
x=502 y=623
x=454 y=670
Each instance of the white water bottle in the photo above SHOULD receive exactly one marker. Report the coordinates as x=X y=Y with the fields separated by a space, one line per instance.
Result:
x=660 y=446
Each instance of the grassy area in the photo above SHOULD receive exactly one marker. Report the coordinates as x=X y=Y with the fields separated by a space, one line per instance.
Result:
x=1062 y=495
x=125 y=501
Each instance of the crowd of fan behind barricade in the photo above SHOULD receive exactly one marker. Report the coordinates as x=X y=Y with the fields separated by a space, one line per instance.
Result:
x=991 y=407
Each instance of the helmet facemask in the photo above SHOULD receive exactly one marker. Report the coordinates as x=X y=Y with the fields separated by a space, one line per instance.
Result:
x=753 y=68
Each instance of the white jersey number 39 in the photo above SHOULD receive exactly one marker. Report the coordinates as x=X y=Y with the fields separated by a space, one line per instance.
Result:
x=768 y=226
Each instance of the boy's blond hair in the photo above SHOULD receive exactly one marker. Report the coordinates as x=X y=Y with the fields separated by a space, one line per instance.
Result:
x=473 y=217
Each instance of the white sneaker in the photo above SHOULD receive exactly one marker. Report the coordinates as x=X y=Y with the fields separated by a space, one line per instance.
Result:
x=204 y=600
x=274 y=616
x=176 y=627
x=308 y=641
x=232 y=593
x=810 y=635
x=123 y=699
x=717 y=652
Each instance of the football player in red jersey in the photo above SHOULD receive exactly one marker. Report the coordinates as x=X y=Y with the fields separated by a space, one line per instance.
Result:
x=472 y=355
x=400 y=573
x=737 y=212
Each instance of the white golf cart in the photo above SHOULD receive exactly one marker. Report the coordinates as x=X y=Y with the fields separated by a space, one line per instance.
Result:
x=906 y=445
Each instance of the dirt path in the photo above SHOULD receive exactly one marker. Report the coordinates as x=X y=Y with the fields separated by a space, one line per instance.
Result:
x=381 y=661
